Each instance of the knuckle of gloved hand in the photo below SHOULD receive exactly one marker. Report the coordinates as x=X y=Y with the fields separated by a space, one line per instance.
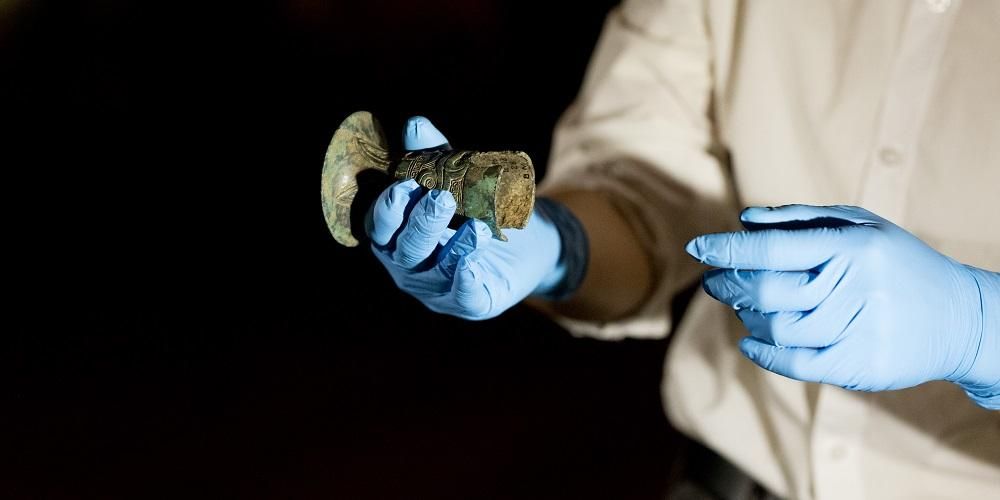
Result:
x=424 y=226
x=433 y=219
x=410 y=256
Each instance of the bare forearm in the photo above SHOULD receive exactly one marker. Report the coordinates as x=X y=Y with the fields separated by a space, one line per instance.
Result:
x=618 y=275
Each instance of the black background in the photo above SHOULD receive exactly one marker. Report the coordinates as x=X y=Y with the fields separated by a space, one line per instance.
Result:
x=180 y=323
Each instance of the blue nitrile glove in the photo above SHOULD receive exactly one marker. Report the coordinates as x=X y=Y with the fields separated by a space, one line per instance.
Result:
x=842 y=296
x=467 y=273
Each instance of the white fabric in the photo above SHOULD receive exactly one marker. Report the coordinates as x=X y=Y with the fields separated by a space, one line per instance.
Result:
x=693 y=109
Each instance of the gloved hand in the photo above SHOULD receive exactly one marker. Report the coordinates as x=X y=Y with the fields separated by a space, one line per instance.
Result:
x=842 y=296
x=464 y=273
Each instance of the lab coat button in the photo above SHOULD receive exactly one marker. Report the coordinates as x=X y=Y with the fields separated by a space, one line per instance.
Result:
x=838 y=452
x=890 y=156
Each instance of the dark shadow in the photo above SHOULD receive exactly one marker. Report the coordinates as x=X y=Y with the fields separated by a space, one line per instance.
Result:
x=801 y=224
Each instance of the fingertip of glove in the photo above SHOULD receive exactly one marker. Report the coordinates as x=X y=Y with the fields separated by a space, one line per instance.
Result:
x=482 y=230
x=409 y=184
x=438 y=207
x=414 y=125
x=442 y=198
x=748 y=346
x=694 y=249
x=401 y=193
x=750 y=214
x=420 y=133
x=710 y=280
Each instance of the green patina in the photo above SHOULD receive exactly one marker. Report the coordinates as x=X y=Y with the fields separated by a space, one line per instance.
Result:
x=478 y=202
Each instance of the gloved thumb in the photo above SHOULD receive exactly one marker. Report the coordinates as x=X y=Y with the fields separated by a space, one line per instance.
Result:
x=420 y=133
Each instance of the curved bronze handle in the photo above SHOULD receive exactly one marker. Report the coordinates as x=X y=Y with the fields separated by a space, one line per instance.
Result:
x=358 y=145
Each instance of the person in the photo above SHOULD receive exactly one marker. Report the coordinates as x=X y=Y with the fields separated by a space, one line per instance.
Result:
x=877 y=328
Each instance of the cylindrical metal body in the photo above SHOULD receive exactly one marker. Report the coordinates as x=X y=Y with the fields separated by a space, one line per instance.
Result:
x=495 y=187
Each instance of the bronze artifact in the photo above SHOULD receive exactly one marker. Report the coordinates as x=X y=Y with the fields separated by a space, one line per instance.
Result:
x=497 y=188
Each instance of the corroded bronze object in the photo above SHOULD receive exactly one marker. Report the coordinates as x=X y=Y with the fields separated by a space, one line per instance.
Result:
x=497 y=188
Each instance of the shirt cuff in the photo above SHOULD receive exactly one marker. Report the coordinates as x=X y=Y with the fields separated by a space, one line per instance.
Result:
x=574 y=249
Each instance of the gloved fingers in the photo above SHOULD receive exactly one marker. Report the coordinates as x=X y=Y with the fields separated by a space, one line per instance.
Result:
x=768 y=249
x=753 y=217
x=390 y=209
x=420 y=133
x=472 y=235
x=799 y=363
x=759 y=324
x=796 y=329
x=419 y=285
x=769 y=291
x=424 y=226
x=470 y=291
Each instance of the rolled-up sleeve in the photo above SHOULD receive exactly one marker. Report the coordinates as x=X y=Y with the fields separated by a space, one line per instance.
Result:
x=641 y=132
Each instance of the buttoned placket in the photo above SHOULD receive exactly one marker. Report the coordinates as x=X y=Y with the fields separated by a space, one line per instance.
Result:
x=904 y=105
x=841 y=416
